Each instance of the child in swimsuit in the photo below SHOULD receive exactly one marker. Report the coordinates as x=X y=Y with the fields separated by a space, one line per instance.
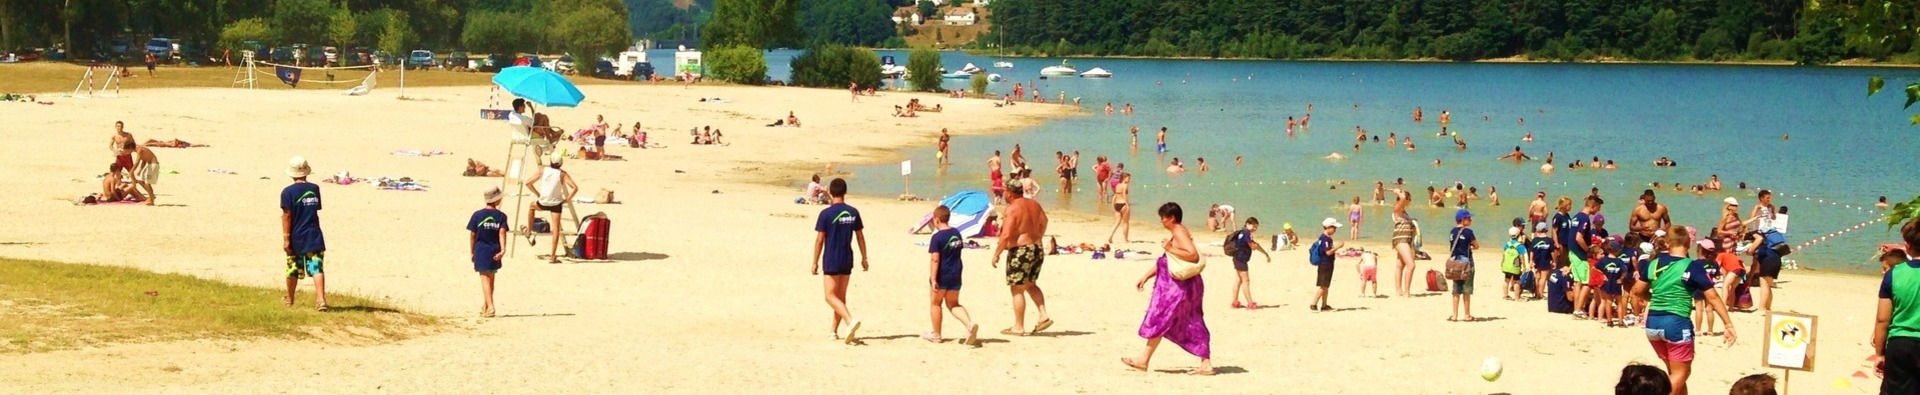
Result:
x=1353 y=216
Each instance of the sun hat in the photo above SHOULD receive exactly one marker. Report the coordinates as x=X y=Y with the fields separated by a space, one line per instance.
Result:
x=1731 y=201
x=1330 y=223
x=492 y=195
x=1462 y=215
x=1286 y=226
x=556 y=158
x=297 y=167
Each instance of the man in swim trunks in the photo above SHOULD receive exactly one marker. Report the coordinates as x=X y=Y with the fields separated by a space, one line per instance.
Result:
x=1537 y=211
x=1022 y=228
x=146 y=170
x=994 y=175
x=1160 y=141
x=118 y=145
x=1135 y=132
x=1019 y=159
x=1073 y=168
x=1516 y=155
x=1648 y=217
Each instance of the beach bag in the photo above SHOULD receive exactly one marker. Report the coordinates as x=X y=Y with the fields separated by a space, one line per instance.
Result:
x=1459 y=268
x=1233 y=247
x=1182 y=270
x=1433 y=281
x=1526 y=281
x=579 y=249
x=541 y=226
x=594 y=231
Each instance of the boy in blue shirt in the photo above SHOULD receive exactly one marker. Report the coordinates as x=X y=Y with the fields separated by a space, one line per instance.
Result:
x=486 y=229
x=305 y=246
x=1245 y=246
x=1613 y=269
x=1321 y=256
x=1461 y=244
x=838 y=227
x=1541 y=248
x=944 y=276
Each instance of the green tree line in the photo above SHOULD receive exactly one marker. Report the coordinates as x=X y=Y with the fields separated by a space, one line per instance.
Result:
x=1810 y=32
x=577 y=26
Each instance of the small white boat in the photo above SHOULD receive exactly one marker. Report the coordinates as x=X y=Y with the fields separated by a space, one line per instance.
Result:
x=1096 y=73
x=957 y=75
x=1003 y=65
x=1062 y=69
x=893 y=71
x=970 y=69
x=995 y=78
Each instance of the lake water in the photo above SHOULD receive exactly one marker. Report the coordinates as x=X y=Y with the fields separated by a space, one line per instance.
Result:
x=1845 y=151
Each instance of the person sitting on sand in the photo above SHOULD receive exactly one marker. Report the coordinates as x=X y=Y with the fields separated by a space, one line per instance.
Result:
x=903 y=112
x=477 y=169
x=1174 y=312
x=175 y=143
x=815 y=194
x=1517 y=156
x=792 y=121
x=114 y=188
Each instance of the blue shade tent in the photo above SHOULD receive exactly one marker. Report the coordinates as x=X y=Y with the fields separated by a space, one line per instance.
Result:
x=540 y=86
x=969 y=212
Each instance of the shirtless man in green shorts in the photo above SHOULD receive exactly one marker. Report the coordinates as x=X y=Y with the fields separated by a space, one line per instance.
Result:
x=1023 y=226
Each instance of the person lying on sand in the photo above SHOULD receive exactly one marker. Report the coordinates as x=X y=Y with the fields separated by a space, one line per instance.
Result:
x=175 y=143
x=477 y=169
x=935 y=108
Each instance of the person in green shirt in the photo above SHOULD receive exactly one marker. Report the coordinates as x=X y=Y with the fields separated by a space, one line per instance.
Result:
x=1896 y=328
x=1667 y=284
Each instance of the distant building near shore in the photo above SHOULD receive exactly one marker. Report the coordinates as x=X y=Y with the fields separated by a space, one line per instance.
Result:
x=905 y=15
x=960 y=16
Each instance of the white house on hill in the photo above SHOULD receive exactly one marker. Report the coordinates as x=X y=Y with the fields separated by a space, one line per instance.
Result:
x=959 y=16
x=905 y=15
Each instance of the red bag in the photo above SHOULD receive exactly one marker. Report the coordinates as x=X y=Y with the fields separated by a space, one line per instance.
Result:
x=1434 y=283
x=596 y=230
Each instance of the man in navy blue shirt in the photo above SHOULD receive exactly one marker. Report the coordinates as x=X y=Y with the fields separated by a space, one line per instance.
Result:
x=305 y=246
x=838 y=227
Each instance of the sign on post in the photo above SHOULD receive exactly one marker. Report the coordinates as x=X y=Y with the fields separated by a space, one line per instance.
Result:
x=906 y=176
x=1789 y=341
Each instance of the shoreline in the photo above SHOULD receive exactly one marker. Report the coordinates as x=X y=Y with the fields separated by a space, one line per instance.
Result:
x=707 y=266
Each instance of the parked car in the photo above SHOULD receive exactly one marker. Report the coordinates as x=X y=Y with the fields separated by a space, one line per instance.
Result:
x=603 y=69
x=282 y=55
x=642 y=71
x=494 y=62
x=161 y=48
x=420 y=59
x=456 y=60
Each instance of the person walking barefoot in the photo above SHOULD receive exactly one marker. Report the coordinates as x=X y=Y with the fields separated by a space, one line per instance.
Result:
x=1122 y=209
x=1175 y=311
x=487 y=228
x=944 y=276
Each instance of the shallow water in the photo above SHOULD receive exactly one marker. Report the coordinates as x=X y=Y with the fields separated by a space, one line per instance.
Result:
x=1845 y=149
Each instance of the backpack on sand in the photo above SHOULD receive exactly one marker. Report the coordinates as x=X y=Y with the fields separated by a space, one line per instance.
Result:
x=1434 y=283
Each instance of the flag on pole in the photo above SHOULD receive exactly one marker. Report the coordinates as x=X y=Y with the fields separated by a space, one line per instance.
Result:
x=289 y=75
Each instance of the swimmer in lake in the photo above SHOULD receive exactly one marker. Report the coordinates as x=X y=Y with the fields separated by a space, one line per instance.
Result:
x=1528 y=138
x=1176 y=167
x=1517 y=156
x=1335 y=156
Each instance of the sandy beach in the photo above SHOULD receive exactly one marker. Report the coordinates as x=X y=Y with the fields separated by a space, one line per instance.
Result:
x=708 y=290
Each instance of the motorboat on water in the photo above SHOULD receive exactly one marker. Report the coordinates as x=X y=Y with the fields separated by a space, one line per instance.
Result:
x=970 y=69
x=995 y=78
x=1097 y=73
x=1003 y=65
x=1062 y=69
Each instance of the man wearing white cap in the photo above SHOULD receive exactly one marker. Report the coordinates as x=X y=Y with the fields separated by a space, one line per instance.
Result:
x=1321 y=256
x=555 y=188
x=302 y=240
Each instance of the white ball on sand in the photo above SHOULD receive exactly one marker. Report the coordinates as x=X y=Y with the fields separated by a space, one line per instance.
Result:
x=1490 y=370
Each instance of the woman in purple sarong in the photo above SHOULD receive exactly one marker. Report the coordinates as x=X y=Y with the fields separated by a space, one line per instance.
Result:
x=1174 y=314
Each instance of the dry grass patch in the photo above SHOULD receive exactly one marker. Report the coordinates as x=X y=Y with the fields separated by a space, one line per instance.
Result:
x=53 y=306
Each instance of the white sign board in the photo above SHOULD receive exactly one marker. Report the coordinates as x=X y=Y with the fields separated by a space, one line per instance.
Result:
x=906 y=167
x=1789 y=341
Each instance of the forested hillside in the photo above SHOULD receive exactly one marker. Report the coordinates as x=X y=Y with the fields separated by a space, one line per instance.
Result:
x=1720 y=30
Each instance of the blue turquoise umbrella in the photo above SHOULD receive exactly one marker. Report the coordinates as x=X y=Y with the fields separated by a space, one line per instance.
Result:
x=539 y=86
